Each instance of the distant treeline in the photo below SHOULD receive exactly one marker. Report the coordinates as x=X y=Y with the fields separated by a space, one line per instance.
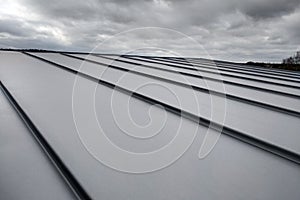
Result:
x=290 y=63
x=30 y=50
x=295 y=59
x=286 y=66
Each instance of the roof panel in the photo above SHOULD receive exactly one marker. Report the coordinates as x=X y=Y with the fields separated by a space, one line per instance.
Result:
x=233 y=170
x=26 y=172
x=268 y=123
x=235 y=79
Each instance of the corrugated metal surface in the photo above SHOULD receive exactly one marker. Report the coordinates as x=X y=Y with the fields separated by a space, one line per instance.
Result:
x=257 y=156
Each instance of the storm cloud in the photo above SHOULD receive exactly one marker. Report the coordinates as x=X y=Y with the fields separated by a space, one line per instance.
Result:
x=259 y=30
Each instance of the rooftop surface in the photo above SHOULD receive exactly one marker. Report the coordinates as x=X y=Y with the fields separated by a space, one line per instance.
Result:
x=94 y=126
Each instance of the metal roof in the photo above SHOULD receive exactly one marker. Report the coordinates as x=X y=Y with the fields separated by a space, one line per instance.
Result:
x=257 y=111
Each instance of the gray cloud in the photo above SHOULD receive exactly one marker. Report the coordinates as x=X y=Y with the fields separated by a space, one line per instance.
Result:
x=269 y=8
x=12 y=28
x=265 y=30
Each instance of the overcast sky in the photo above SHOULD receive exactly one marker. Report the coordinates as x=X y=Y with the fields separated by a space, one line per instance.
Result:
x=236 y=30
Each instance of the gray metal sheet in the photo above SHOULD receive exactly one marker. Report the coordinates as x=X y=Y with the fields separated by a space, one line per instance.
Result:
x=25 y=172
x=258 y=95
x=233 y=68
x=233 y=170
x=247 y=67
x=265 y=124
x=234 y=79
x=241 y=75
